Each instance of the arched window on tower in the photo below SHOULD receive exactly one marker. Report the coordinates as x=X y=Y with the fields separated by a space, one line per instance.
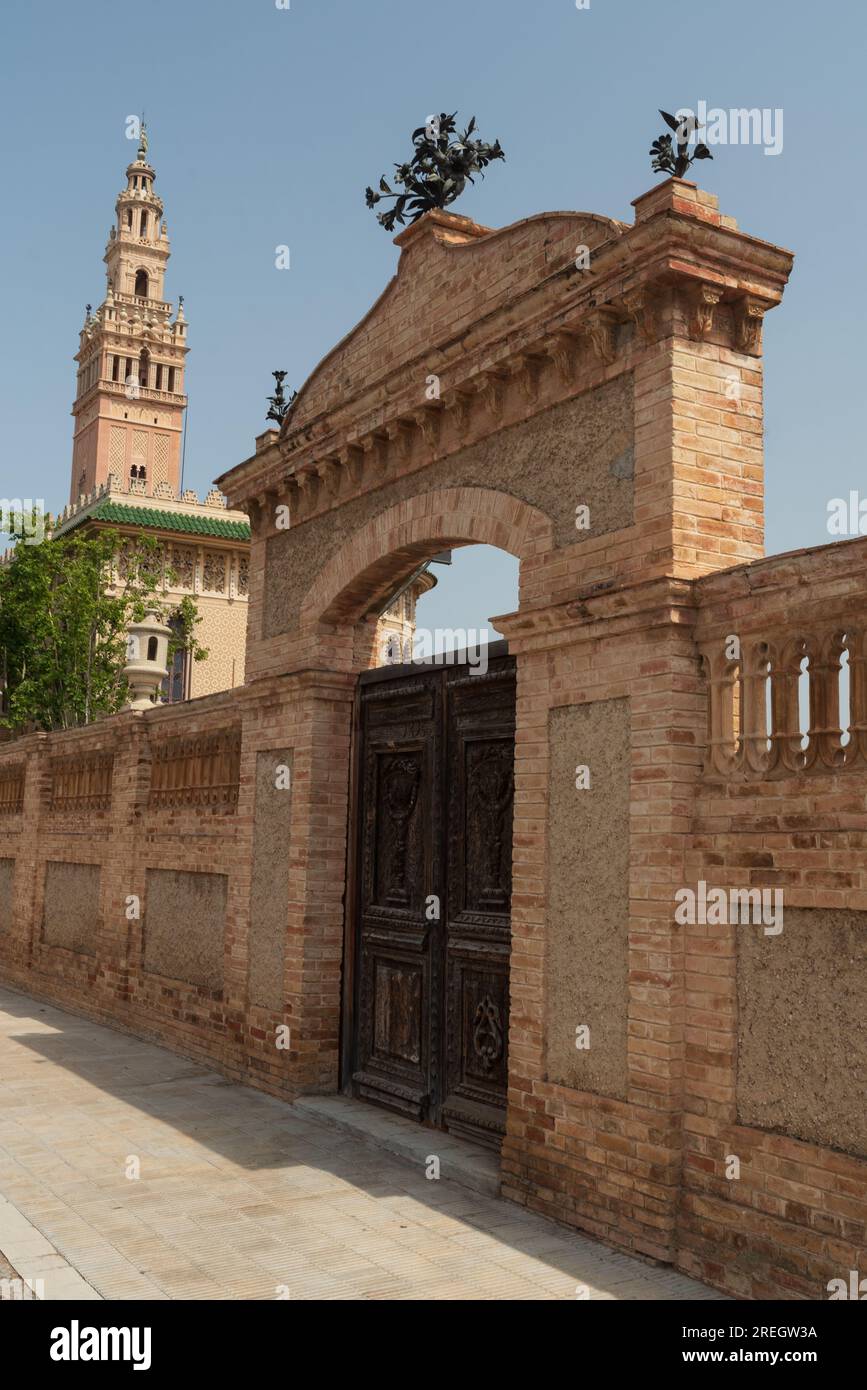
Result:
x=129 y=217
x=144 y=224
x=144 y=367
x=141 y=284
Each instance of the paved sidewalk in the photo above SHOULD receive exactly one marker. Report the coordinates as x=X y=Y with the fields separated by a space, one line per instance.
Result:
x=242 y=1196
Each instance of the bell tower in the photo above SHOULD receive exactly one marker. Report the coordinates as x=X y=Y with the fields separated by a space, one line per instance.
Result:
x=130 y=402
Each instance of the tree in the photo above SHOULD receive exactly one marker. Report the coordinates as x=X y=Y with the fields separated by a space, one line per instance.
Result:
x=65 y=607
x=441 y=164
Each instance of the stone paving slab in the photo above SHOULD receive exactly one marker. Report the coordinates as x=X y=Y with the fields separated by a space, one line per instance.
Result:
x=127 y=1172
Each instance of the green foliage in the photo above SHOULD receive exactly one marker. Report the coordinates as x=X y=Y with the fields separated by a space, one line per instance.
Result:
x=442 y=163
x=184 y=617
x=65 y=607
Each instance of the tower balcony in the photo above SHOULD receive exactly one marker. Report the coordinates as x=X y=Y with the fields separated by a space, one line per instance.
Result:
x=124 y=237
x=148 y=394
x=139 y=195
x=137 y=301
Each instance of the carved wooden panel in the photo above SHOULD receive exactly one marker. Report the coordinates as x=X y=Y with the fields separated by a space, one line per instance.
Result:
x=433 y=822
x=399 y=823
x=481 y=752
x=397 y=1006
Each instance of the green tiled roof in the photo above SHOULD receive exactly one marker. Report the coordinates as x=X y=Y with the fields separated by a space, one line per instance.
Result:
x=169 y=521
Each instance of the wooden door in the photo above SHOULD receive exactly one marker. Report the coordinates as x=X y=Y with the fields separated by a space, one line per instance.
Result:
x=431 y=896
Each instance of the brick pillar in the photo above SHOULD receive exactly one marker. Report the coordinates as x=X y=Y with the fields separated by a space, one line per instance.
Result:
x=119 y=941
x=696 y=290
x=21 y=840
x=606 y=1157
x=322 y=709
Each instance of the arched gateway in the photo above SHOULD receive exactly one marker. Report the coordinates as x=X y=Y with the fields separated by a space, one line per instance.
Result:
x=603 y=425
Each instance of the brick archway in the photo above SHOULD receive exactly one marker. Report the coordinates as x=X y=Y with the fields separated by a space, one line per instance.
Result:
x=366 y=569
x=392 y=544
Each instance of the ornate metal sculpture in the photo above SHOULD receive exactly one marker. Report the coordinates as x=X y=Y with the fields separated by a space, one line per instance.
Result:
x=437 y=174
x=662 y=151
x=280 y=404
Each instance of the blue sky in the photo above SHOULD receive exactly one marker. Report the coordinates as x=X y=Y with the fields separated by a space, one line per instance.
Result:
x=266 y=124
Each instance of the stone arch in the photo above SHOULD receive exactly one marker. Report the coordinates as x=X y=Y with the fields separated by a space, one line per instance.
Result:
x=399 y=539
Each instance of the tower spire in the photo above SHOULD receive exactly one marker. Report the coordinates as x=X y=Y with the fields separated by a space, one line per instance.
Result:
x=130 y=402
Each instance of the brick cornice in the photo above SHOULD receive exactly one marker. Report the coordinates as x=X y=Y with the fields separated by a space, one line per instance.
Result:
x=665 y=275
x=608 y=608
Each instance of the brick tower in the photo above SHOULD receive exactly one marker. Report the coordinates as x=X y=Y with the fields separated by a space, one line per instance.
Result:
x=129 y=404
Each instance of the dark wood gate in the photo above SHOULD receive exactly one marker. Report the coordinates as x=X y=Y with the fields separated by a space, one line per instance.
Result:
x=427 y=994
